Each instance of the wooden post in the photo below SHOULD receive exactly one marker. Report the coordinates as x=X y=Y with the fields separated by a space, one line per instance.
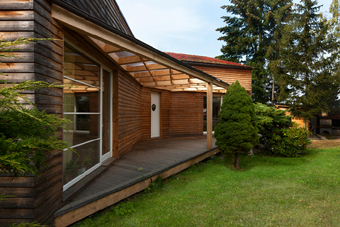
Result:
x=209 y=115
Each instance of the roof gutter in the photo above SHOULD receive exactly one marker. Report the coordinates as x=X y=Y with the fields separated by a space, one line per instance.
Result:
x=217 y=65
x=102 y=24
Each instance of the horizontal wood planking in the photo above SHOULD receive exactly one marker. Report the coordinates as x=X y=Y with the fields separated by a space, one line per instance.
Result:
x=18 y=202
x=17 y=213
x=129 y=115
x=42 y=61
x=165 y=113
x=146 y=113
x=16 y=25
x=8 y=222
x=20 y=208
x=230 y=75
x=16 y=4
x=18 y=192
x=19 y=182
x=186 y=114
x=16 y=15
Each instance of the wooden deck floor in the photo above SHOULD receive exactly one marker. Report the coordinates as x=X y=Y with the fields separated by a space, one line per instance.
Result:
x=148 y=159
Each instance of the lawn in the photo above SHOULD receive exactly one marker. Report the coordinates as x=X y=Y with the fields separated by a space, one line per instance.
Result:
x=268 y=191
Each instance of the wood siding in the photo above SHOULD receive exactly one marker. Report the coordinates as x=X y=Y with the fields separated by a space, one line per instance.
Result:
x=181 y=113
x=230 y=75
x=105 y=10
x=186 y=114
x=146 y=113
x=129 y=113
x=37 y=198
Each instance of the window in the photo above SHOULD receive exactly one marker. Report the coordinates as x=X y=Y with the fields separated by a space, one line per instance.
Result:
x=82 y=94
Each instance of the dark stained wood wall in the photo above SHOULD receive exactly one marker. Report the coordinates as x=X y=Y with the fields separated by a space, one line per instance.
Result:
x=48 y=67
x=129 y=113
x=37 y=198
x=230 y=75
x=20 y=208
x=105 y=10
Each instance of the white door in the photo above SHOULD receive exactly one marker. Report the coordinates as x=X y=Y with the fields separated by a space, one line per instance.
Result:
x=155 y=114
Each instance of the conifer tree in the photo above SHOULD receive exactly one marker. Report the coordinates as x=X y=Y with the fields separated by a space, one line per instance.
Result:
x=248 y=34
x=27 y=135
x=236 y=132
x=309 y=62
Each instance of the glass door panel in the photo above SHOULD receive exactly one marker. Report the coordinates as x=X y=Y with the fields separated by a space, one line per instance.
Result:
x=82 y=107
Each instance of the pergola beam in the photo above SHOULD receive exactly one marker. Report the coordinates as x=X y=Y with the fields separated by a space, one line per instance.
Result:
x=209 y=115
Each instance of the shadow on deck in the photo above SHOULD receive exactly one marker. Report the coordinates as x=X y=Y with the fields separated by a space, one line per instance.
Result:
x=133 y=173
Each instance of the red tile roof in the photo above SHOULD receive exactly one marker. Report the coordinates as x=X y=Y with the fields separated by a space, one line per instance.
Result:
x=196 y=58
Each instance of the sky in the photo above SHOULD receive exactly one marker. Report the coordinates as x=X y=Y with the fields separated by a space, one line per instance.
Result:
x=180 y=26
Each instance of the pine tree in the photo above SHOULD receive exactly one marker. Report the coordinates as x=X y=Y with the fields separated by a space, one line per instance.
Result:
x=249 y=33
x=236 y=132
x=334 y=9
x=309 y=62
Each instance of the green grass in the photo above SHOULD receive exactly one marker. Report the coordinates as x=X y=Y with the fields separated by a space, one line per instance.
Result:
x=268 y=191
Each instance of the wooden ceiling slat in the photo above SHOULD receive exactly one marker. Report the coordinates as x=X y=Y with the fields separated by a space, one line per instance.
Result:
x=162 y=78
x=163 y=83
x=129 y=60
x=160 y=72
x=180 y=82
x=178 y=77
x=155 y=66
x=144 y=80
x=136 y=68
x=174 y=72
x=141 y=75
x=150 y=84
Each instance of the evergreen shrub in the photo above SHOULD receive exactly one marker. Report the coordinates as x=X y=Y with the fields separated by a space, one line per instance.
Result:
x=236 y=132
x=278 y=134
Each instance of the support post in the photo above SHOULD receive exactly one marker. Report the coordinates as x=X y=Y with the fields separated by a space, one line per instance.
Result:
x=209 y=115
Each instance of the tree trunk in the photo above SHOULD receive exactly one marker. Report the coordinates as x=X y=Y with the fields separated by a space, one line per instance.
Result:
x=273 y=91
x=236 y=161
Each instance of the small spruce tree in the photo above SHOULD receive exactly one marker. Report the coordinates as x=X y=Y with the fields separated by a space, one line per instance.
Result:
x=237 y=131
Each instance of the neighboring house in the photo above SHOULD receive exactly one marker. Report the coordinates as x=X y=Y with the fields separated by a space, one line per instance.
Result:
x=119 y=91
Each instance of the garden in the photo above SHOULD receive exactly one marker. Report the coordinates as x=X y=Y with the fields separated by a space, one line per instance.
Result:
x=266 y=191
x=288 y=182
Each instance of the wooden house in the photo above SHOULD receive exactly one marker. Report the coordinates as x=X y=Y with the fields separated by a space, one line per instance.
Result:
x=120 y=91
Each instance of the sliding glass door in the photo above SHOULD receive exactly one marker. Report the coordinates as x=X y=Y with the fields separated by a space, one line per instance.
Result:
x=87 y=104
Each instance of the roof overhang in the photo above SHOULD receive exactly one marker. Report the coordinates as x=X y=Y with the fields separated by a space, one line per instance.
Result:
x=149 y=66
x=217 y=65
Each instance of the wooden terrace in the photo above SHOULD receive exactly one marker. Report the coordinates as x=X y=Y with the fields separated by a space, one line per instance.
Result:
x=133 y=173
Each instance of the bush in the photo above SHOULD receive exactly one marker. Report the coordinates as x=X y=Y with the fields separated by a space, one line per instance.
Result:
x=270 y=122
x=278 y=134
x=290 y=142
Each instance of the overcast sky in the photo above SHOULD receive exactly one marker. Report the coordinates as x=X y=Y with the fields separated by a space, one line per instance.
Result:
x=180 y=26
